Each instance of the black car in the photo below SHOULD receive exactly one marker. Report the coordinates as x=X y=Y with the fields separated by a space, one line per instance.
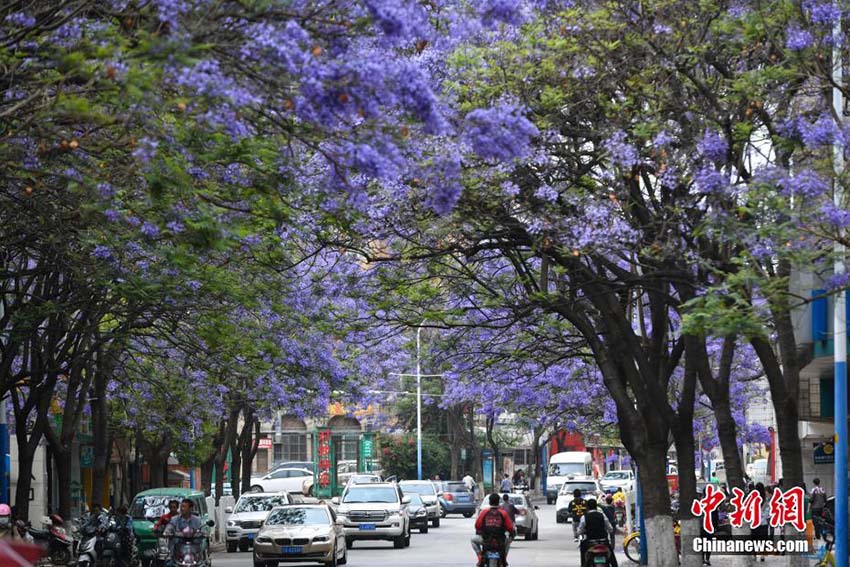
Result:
x=418 y=513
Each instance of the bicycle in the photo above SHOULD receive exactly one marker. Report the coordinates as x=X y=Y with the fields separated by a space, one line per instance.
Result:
x=631 y=543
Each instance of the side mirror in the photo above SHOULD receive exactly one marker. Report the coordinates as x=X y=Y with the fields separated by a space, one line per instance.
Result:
x=406 y=500
x=211 y=523
x=335 y=500
x=228 y=510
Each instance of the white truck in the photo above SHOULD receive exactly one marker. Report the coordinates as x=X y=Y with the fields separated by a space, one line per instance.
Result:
x=569 y=465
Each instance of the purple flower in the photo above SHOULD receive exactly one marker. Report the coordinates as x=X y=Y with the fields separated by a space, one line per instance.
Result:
x=146 y=150
x=797 y=39
x=176 y=227
x=105 y=190
x=102 y=252
x=112 y=215
x=805 y=183
x=398 y=18
x=837 y=281
x=21 y=19
x=506 y=11
x=445 y=185
x=194 y=285
x=661 y=29
x=824 y=12
x=839 y=218
x=510 y=188
x=709 y=180
x=713 y=146
x=622 y=153
x=149 y=230
x=546 y=193
x=500 y=132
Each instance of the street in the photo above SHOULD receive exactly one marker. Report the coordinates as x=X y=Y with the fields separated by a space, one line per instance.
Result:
x=449 y=545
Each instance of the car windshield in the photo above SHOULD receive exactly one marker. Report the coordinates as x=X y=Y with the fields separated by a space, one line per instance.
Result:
x=423 y=488
x=517 y=500
x=585 y=487
x=298 y=516
x=616 y=475
x=380 y=494
x=566 y=469
x=149 y=507
x=415 y=499
x=259 y=503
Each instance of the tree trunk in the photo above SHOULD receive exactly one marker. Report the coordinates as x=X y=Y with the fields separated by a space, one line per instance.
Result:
x=656 y=504
x=727 y=433
x=683 y=435
x=101 y=438
x=62 y=462
x=236 y=466
x=26 y=458
x=206 y=474
x=249 y=446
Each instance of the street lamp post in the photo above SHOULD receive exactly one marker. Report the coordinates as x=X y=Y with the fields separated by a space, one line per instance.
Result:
x=418 y=404
x=839 y=314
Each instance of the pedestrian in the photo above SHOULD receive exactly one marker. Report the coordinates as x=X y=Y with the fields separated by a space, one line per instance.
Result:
x=760 y=532
x=577 y=508
x=715 y=520
x=509 y=507
x=818 y=496
x=506 y=486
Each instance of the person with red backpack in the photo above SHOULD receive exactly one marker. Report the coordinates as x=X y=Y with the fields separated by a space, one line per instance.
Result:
x=493 y=528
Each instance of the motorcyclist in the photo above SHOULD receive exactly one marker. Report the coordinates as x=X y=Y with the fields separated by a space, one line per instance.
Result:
x=594 y=525
x=492 y=524
x=6 y=529
x=173 y=511
x=124 y=526
x=96 y=517
x=576 y=509
x=186 y=524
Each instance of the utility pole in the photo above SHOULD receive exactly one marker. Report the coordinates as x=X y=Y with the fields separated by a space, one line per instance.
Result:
x=839 y=314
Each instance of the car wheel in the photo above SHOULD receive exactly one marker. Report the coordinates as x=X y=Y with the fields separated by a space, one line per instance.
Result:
x=349 y=543
x=423 y=530
x=443 y=512
x=344 y=559
x=333 y=562
x=435 y=523
x=258 y=563
x=536 y=534
x=467 y=514
x=231 y=546
x=407 y=537
x=243 y=547
x=549 y=501
x=398 y=543
x=529 y=536
x=256 y=488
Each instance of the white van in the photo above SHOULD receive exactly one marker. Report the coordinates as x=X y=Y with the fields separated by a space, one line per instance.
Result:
x=757 y=471
x=569 y=465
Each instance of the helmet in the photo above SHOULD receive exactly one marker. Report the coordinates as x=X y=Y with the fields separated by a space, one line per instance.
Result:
x=5 y=510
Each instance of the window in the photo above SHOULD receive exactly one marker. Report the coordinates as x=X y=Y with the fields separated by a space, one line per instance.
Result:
x=283 y=473
x=347 y=447
x=293 y=447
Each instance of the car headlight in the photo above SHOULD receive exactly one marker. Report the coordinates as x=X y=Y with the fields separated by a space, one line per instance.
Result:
x=421 y=513
x=321 y=539
x=232 y=523
x=264 y=539
x=395 y=517
x=343 y=519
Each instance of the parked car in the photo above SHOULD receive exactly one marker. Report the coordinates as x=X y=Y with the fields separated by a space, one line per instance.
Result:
x=309 y=465
x=300 y=533
x=149 y=506
x=246 y=518
x=624 y=479
x=456 y=499
x=588 y=488
x=374 y=512
x=281 y=480
x=344 y=471
x=430 y=496
x=418 y=513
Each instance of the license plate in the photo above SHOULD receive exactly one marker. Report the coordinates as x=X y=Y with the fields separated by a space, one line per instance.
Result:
x=250 y=536
x=368 y=527
x=463 y=499
x=289 y=550
x=493 y=555
x=599 y=560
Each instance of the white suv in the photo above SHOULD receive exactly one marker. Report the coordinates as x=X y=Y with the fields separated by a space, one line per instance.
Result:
x=374 y=511
x=246 y=518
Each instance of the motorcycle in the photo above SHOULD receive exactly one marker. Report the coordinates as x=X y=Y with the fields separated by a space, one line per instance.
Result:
x=491 y=553
x=598 y=554
x=521 y=486
x=88 y=548
x=189 y=549
x=54 y=539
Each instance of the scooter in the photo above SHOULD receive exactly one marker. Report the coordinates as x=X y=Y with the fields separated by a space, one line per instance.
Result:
x=598 y=554
x=55 y=539
x=88 y=548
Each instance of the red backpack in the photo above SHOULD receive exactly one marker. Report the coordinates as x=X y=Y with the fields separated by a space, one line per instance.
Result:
x=494 y=524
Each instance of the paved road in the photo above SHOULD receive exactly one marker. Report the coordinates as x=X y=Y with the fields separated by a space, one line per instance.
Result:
x=449 y=546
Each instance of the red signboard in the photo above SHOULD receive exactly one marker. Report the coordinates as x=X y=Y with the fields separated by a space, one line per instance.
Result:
x=265 y=443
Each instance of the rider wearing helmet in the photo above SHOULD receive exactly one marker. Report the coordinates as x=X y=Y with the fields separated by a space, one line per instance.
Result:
x=6 y=530
x=491 y=525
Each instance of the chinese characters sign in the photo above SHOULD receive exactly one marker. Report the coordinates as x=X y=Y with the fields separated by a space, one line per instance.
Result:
x=324 y=480
x=783 y=508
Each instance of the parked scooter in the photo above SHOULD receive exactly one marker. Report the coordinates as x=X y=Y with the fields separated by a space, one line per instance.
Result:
x=55 y=539
x=88 y=549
